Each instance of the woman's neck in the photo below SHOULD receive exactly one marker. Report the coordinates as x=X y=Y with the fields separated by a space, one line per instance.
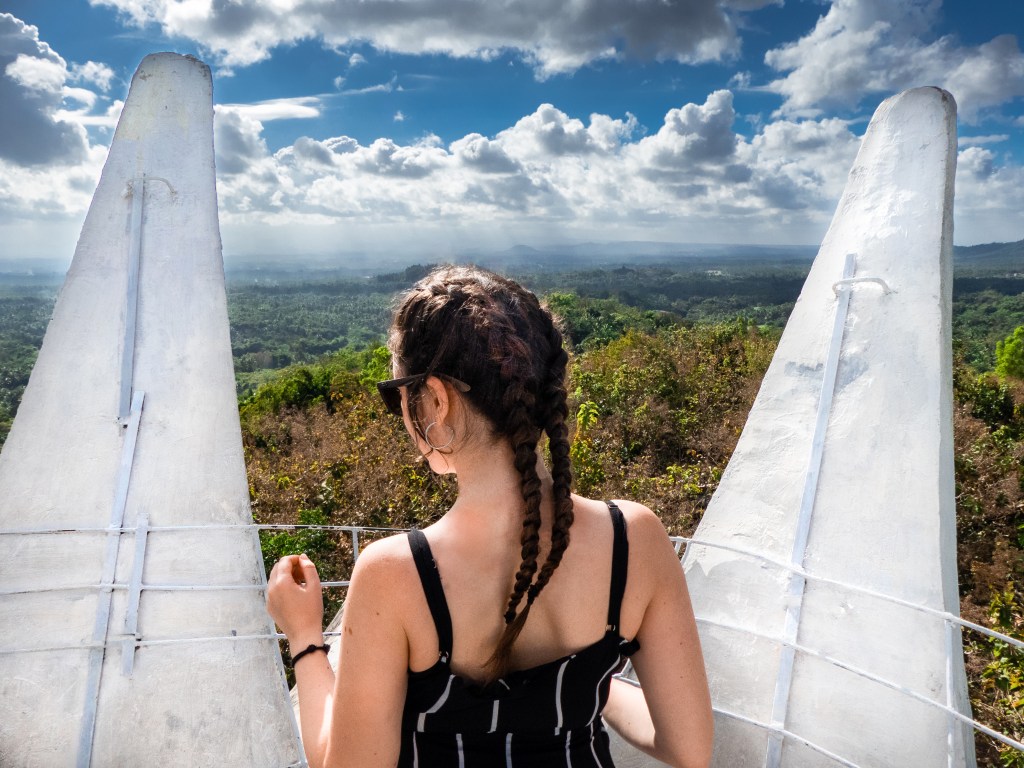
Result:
x=489 y=483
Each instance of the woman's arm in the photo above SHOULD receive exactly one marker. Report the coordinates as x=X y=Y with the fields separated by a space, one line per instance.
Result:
x=370 y=686
x=670 y=718
x=353 y=718
x=295 y=602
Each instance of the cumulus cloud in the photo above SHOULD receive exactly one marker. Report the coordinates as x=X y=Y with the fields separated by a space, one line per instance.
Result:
x=975 y=163
x=863 y=47
x=692 y=136
x=32 y=79
x=552 y=175
x=989 y=198
x=45 y=103
x=49 y=193
x=92 y=73
x=238 y=138
x=555 y=36
x=600 y=177
x=486 y=156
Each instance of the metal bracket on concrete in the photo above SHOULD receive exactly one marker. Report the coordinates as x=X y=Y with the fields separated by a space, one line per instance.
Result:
x=99 y=633
x=138 y=197
x=131 y=619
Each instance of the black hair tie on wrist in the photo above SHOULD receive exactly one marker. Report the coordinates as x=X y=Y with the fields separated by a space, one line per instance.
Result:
x=310 y=649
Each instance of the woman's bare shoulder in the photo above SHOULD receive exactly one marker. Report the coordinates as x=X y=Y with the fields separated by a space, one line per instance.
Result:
x=641 y=522
x=644 y=528
x=383 y=562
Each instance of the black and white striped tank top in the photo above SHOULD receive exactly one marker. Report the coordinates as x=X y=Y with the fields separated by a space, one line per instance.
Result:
x=541 y=717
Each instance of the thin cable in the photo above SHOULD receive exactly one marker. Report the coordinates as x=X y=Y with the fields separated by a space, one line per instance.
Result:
x=945 y=615
x=201 y=527
x=788 y=734
x=118 y=639
x=872 y=677
x=107 y=586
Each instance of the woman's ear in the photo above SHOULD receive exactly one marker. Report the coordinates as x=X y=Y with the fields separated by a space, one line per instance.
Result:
x=437 y=398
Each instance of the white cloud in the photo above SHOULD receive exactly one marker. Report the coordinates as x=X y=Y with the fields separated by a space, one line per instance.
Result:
x=989 y=198
x=692 y=136
x=237 y=137
x=975 y=163
x=83 y=96
x=35 y=73
x=971 y=141
x=868 y=47
x=92 y=72
x=49 y=193
x=554 y=36
x=399 y=117
x=548 y=175
x=388 y=87
x=107 y=119
x=484 y=155
x=295 y=108
x=32 y=78
x=553 y=177
x=356 y=59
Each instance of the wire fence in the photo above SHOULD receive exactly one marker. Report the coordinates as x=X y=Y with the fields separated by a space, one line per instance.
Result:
x=359 y=536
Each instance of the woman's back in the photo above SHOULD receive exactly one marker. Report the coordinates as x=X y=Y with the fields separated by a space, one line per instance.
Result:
x=536 y=715
x=569 y=615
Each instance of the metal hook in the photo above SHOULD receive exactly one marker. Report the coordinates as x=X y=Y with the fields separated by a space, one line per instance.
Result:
x=849 y=281
x=129 y=186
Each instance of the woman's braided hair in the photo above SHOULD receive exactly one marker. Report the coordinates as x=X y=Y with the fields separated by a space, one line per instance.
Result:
x=494 y=335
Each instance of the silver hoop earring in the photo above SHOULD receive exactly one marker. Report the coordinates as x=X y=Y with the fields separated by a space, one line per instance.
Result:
x=426 y=436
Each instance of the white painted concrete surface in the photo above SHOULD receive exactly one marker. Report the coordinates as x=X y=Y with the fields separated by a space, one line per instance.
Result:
x=203 y=702
x=882 y=510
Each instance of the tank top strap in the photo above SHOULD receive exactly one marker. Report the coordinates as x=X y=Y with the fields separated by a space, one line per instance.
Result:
x=431 y=581
x=620 y=564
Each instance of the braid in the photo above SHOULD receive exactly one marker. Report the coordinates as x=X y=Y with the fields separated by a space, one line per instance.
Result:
x=494 y=336
x=524 y=444
x=557 y=411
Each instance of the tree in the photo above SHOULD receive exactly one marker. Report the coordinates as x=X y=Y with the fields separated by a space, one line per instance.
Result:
x=1010 y=354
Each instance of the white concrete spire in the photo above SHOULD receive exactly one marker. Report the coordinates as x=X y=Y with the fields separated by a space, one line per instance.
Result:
x=130 y=420
x=842 y=486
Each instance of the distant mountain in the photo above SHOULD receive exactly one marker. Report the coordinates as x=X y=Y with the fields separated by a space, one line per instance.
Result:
x=990 y=255
x=21 y=272
x=640 y=252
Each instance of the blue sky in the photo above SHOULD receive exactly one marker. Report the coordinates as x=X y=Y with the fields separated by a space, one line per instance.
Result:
x=429 y=126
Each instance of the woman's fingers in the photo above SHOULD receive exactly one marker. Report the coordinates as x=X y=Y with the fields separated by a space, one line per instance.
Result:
x=308 y=571
x=299 y=568
x=294 y=599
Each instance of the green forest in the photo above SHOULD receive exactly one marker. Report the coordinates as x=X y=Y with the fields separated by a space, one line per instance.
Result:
x=665 y=363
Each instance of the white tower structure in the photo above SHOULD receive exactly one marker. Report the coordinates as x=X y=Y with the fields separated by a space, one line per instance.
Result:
x=132 y=622
x=824 y=565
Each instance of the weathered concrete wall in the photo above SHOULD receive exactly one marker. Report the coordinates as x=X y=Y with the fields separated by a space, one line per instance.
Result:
x=215 y=702
x=882 y=510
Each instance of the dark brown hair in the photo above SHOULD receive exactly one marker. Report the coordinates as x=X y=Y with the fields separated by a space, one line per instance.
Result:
x=494 y=335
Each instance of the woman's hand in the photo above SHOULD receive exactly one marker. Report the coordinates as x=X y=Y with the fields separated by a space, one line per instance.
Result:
x=294 y=600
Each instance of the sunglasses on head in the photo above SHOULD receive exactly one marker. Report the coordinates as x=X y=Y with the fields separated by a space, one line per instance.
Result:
x=391 y=390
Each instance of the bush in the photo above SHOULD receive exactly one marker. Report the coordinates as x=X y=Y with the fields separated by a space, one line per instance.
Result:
x=1010 y=354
